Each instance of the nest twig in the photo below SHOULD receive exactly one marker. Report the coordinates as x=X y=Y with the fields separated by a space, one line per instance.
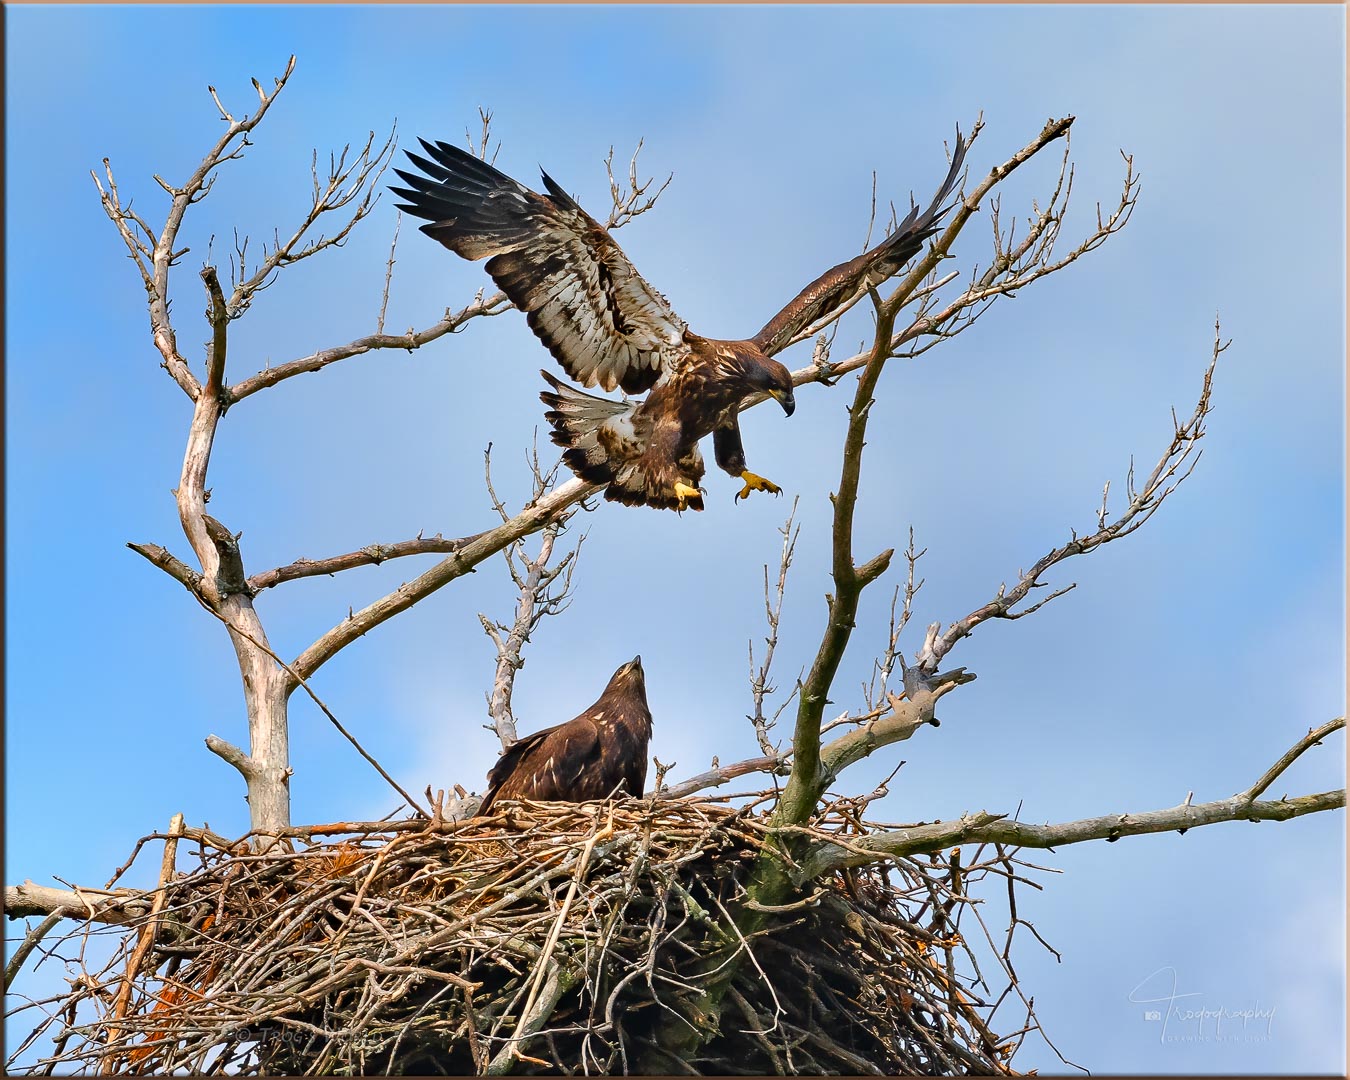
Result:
x=554 y=938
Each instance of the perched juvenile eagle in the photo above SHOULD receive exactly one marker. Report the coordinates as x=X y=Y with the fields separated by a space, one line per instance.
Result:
x=605 y=325
x=603 y=749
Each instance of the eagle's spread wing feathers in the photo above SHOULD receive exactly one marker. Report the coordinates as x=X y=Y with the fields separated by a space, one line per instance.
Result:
x=582 y=297
x=846 y=282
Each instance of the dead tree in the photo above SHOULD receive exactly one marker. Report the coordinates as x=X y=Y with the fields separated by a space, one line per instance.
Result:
x=581 y=913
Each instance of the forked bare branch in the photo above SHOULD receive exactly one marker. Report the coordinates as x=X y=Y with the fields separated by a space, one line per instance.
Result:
x=760 y=688
x=349 y=180
x=1313 y=738
x=875 y=690
x=154 y=266
x=984 y=827
x=807 y=780
x=1173 y=467
x=1016 y=262
x=632 y=201
x=478 y=145
x=542 y=590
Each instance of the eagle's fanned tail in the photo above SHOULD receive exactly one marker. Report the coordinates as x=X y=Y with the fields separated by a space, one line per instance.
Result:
x=602 y=445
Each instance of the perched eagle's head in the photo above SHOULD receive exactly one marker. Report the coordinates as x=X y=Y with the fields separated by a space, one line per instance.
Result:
x=629 y=678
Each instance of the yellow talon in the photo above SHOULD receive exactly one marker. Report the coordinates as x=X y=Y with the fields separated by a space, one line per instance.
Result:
x=756 y=483
x=684 y=492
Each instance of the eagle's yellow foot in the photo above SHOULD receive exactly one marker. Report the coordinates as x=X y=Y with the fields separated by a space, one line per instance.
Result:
x=756 y=483
x=683 y=492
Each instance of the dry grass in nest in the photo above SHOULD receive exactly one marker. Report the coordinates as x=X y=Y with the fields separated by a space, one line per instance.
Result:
x=555 y=938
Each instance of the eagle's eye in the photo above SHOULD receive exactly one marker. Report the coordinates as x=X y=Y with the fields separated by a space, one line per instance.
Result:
x=784 y=398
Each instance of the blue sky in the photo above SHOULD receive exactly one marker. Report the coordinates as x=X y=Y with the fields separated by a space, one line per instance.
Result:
x=1187 y=659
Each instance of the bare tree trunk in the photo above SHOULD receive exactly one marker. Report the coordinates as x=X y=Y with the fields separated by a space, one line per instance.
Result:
x=266 y=767
x=269 y=772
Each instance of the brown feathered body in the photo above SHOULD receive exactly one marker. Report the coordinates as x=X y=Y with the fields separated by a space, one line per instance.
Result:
x=641 y=450
x=600 y=753
x=608 y=327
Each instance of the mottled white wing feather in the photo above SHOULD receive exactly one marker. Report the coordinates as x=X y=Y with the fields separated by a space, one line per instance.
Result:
x=586 y=302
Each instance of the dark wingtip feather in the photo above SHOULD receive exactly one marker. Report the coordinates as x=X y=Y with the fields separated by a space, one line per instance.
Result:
x=555 y=189
x=449 y=155
x=916 y=228
x=435 y=172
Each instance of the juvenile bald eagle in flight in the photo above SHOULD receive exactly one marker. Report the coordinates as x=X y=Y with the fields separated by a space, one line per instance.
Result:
x=606 y=326
x=602 y=751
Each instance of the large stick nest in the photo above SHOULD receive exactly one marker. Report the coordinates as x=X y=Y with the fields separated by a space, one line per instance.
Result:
x=572 y=938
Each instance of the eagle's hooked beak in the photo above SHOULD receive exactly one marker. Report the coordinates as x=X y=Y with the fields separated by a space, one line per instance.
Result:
x=633 y=674
x=633 y=667
x=785 y=399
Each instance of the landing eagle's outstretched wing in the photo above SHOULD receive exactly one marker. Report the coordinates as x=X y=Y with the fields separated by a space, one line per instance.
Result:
x=847 y=281
x=582 y=297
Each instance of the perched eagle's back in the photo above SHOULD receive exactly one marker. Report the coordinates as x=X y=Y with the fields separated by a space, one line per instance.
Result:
x=600 y=753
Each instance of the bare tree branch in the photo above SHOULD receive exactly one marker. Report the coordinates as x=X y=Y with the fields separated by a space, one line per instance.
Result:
x=875 y=689
x=146 y=935
x=254 y=771
x=759 y=680
x=634 y=201
x=531 y=519
x=449 y=323
x=116 y=907
x=627 y=206
x=389 y=272
x=907 y=714
x=371 y=555
x=232 y=755
x=174 y=567
x=345 y=183
x=1313 y=738
x=806 y=782
x=1172 y=468
x=1014 y=265
x=536 y=600
x=479 y=146
x=30 y=942
x=721 y=774
x=218 y=317
x=984 y=827
x=163 y=255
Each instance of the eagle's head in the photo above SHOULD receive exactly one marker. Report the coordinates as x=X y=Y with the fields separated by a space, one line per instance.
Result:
x=768 y=376
x=629 y=679
x=778 y=384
